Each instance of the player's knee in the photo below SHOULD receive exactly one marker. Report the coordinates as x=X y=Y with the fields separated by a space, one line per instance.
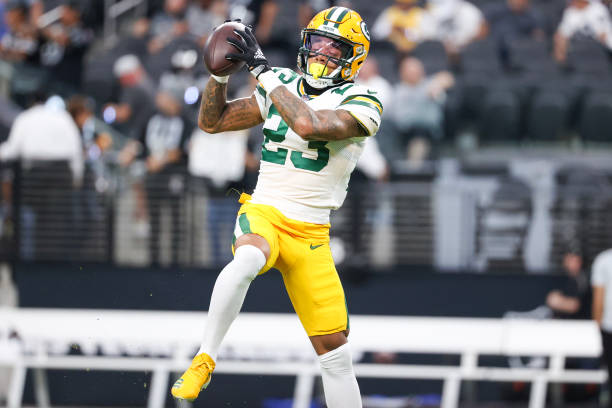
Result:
x=254 y=240
x=337 y=361
x=251 y=258
x=328 y=342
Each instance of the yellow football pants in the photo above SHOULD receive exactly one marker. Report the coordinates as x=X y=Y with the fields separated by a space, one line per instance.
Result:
x=301 y=252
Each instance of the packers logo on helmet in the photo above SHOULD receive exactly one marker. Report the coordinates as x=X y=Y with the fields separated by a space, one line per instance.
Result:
x=337 y=35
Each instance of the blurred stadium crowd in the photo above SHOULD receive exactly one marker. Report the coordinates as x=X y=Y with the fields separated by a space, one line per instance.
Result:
x=126 y=76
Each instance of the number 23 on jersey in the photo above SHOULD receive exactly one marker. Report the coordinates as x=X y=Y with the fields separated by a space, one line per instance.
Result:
x=297 y=158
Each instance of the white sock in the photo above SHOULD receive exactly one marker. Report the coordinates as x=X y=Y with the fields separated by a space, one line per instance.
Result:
x=339 y=382
x=228 y=295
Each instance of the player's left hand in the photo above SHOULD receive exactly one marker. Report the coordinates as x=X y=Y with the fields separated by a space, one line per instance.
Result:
x=250 y=52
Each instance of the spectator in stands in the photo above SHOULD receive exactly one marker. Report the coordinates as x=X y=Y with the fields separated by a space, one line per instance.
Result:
x=370 y=77
x=185 y=78
x=97 y=141
x=135 y=104
x=512 y=20
x=586 y=18
x=63 y=51
x=164 y=143
x=570 y=301
x=455 y=23
x=371 y=171
x=19 y=55
x=168 y=24
x=417 y=113
x=401 y=24
x=204 y=15
x=601 y=281
x=129 y=116
x=46 y=140
x=20 y=42
x=261 y=14
x=36 y=10
x=217 y=164
x=135 y=40
x=95 y=134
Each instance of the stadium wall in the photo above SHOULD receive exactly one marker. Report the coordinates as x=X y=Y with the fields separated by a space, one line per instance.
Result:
x=417 y=291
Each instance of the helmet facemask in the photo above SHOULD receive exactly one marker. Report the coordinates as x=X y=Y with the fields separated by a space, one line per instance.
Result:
x=334 y=53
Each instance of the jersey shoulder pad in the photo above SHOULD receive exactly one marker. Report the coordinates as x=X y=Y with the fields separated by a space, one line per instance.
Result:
x=362 y=96
x=362 y=103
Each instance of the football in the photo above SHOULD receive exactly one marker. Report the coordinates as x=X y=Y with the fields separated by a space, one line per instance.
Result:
x=217 y=47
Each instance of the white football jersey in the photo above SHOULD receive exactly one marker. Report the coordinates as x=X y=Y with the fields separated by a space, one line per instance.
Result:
x=306 y=180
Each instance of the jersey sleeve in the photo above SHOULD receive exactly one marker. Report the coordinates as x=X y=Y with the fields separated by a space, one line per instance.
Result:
x=261 y=97
x=365 y=107
x=286 y=76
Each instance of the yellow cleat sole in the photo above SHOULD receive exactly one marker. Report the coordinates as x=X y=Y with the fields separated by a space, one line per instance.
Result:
x=193 y=399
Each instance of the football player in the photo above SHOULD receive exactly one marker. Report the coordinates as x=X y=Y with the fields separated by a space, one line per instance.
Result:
x=315 y=124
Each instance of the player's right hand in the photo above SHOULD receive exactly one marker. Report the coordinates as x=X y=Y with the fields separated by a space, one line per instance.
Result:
x=250 y=52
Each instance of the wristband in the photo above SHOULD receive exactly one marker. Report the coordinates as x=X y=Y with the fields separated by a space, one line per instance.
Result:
x=220 y=79
x=269 y=81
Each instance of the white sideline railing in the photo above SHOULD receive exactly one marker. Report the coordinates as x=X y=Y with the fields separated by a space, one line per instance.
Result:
x=275 y=344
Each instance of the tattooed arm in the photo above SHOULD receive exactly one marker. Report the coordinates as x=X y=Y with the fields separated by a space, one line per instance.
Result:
x=312 y=124
x=218 y=115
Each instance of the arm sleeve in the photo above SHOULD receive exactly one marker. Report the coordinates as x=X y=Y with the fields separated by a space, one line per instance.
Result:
x=366 y=109
x=261 y=97
x=598 y=273
x=565 y=26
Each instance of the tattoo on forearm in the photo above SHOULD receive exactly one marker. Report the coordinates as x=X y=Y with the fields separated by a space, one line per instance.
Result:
x=212 y=104
x=218 y=115
x=326 y=125
x=241 y=114
x=291 y=108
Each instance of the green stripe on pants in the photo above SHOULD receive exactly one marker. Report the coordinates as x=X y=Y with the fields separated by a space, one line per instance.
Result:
x=245 y=226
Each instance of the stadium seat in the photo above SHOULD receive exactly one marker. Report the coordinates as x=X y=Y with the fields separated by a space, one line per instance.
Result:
x=529 y=56
x=388 y=60
x=475 y=78
x=500 y=119
x=596 y=118
x=588 y=58
x=551 y=11
x=481 y=57
x=433 y=56
x=548 y=116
